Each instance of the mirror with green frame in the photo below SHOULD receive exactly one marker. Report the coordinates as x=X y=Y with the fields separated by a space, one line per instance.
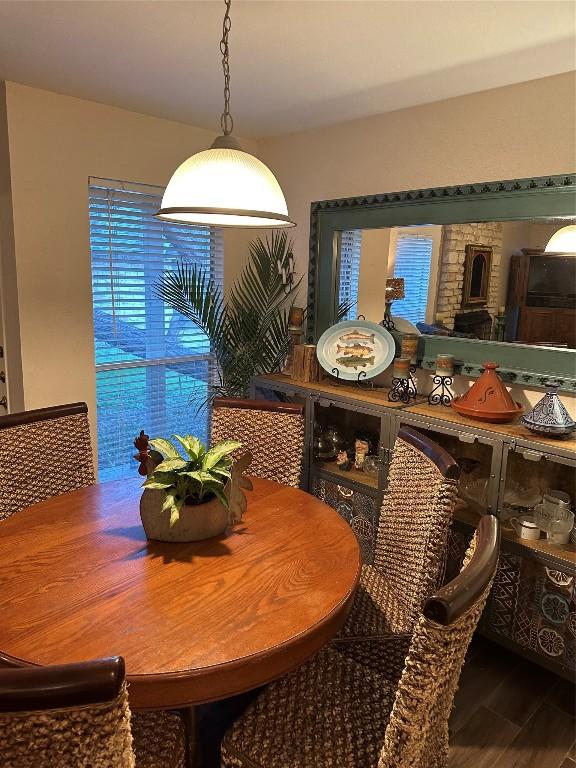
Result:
x=478 y=280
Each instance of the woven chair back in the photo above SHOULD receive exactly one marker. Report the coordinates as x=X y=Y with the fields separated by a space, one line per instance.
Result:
x=59 y=717
x=43 y=453
x=412 y=540
x=273 y=432
x=417 y=733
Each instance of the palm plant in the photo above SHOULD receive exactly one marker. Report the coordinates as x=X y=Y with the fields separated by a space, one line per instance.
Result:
x=248 y=334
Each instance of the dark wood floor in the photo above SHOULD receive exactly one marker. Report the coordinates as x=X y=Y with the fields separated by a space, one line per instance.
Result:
x=509 y=713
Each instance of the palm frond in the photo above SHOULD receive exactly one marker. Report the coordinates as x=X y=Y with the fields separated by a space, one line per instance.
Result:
x=249 y=333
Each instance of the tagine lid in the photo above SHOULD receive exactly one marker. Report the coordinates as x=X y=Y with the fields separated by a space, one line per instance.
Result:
x=549 y=415
x=487 y=399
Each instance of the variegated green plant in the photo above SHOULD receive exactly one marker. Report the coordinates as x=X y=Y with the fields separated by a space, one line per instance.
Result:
x=193 y=479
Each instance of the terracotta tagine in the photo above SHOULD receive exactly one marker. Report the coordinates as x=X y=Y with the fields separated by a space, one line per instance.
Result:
x=487 y=399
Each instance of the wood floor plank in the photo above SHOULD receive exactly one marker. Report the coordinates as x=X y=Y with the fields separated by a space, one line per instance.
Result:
x=479 y=678
x=521 y=692
x=481 y=741
x=563 y=696
x=542 y=743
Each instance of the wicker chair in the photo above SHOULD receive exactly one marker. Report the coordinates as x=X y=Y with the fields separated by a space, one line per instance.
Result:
x=43 y=453
x=78 y=715
x=336 y=712
x=411 y=545
x=273 y=432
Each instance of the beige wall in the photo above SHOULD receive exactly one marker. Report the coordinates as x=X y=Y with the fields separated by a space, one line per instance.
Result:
x=512 y=132
x=373 y=273
x=55 y=143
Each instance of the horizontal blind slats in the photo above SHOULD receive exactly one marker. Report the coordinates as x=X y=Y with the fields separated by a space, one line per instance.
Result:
x=413 y=260
x=350 y=253
x=150 y=360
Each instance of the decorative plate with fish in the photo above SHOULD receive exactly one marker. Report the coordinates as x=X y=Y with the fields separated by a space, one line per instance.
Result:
x=355 y=346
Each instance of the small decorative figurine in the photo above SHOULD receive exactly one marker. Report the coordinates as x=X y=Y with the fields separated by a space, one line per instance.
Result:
x=549 y=416
x=343 y=462
x=361 y=448
x=148 y=459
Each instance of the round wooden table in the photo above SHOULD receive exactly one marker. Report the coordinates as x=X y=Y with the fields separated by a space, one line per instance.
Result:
x=195 y=622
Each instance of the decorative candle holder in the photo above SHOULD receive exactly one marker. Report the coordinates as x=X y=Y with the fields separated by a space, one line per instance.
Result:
x=441 y=394
x=409 y=347
x=394 y=290
x=403 y=384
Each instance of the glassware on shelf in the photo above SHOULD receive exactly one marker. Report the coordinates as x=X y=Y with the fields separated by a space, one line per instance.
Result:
x=323 y=447
x=555 y=517
x=474 y=490
x=372 y=466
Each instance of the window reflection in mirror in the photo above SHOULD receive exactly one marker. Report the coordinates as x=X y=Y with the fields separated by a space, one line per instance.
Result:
x=478 y=280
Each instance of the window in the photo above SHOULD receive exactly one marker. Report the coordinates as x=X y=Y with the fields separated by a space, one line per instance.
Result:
x=350 y=252
x=412 y=261
x=150 y=361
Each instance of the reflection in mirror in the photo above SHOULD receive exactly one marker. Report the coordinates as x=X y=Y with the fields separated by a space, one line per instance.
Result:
x=479 y=280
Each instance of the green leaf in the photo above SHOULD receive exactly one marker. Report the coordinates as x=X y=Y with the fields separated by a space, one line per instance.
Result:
x=169 y=501
x=156 y=485
x=174 y=516
x=217 y=453
x=169 y=465
x=191 y=445
x=203 y=477
x=165 y=447
x=224 y=471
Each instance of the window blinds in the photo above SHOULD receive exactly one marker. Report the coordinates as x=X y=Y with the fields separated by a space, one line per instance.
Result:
x=150 y=361
x=412 y=262
x=350 y=253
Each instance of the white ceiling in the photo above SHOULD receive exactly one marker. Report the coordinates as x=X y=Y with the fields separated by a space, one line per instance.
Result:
x=294 y=64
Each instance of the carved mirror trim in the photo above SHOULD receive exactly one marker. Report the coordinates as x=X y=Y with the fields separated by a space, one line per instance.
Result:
x=490 y=201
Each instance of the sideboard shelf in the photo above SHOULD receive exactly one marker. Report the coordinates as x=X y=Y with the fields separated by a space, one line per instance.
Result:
x=532 y=607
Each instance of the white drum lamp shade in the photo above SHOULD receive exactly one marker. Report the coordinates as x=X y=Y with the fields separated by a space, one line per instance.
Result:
x=225 y=187
x=563 y=241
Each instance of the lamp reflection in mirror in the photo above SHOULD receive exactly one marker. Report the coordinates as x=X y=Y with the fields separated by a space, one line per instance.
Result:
x=562 y=241
x=394 y=291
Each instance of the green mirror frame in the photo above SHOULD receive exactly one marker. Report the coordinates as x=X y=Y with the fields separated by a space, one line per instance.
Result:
x=515 y=199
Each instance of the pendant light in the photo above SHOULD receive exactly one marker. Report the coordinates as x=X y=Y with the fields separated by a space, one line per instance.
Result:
x=562 y=241
x=224 y=186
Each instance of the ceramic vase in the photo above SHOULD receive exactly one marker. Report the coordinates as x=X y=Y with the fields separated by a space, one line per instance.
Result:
x=197 y=522
x=549 y=417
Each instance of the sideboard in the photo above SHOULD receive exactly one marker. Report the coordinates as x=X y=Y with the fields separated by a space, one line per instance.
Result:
x=532 y=607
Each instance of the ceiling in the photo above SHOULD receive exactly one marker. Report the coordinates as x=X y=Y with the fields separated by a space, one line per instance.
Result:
x=294 y=64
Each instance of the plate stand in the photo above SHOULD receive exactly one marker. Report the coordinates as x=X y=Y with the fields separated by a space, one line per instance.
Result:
x=361 y=380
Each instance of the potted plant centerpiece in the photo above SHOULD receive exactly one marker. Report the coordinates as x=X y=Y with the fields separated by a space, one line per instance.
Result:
x=192 y=493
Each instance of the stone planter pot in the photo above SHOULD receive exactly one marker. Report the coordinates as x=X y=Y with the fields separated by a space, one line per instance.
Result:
x=202 y=521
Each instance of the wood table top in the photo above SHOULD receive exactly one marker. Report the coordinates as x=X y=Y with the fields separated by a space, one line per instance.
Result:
x=195 y=622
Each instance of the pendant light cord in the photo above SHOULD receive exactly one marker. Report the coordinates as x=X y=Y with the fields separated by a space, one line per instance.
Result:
x=226 y=121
